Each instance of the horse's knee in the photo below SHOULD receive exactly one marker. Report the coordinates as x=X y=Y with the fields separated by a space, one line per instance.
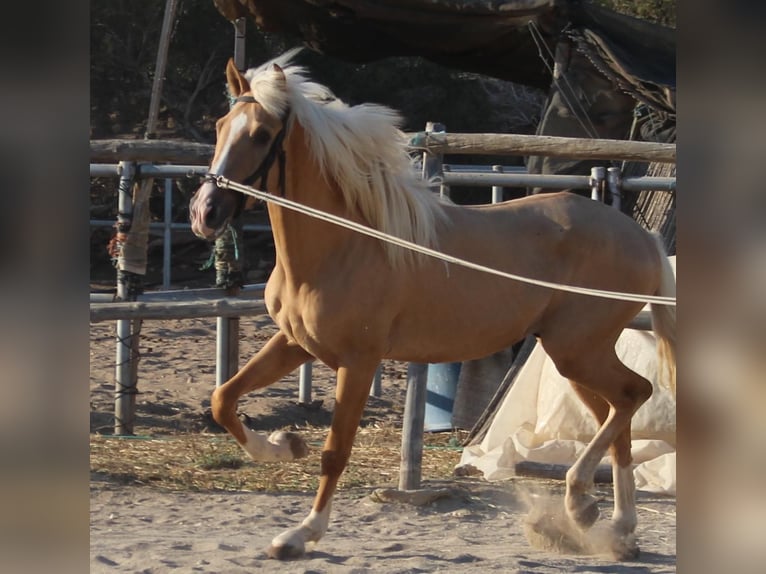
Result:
x=218 y=406
x=224 y=411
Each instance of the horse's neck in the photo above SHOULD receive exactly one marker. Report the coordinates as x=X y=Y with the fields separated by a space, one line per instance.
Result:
x=303 y=242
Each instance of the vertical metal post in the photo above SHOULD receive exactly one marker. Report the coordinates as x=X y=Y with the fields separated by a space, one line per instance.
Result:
x=167 y=234
x=432 y=164
x=304 y=383
x=227 y=328
x=497 y=190
x=444 y=189
x=226 y=349
x=614 y=180
x=377 y=387
x=410 y=470
x=597 y=176
x=125 y=383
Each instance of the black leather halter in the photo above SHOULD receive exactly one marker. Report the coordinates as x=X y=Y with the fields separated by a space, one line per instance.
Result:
x=276 y=153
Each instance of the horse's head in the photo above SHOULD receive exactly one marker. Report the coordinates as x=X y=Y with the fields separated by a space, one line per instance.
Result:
x=248 y=140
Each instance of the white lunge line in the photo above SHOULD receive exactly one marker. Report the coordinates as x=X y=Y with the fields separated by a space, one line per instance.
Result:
x=363 y=229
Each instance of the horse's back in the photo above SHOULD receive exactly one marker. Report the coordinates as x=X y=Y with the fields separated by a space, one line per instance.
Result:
x=557 y=228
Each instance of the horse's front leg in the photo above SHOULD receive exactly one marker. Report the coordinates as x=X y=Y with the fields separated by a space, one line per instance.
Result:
x=275 y=360
x=350 y=397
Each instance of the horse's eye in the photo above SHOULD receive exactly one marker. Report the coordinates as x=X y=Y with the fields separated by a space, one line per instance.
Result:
x=261 y=136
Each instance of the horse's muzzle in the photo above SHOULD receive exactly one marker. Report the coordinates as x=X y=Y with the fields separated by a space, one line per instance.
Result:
x=210 y=211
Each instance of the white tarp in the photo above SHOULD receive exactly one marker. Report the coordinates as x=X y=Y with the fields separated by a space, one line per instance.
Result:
x=542 y=420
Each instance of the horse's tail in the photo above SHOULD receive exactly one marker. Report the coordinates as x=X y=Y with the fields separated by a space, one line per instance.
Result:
x=664 y=322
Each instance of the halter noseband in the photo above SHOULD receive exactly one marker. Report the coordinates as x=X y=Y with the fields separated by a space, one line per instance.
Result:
x=276 y=152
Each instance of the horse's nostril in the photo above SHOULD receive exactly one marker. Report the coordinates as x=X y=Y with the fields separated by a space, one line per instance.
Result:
x=212 y=216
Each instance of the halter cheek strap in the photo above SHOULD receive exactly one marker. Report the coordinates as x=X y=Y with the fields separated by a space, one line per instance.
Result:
x=276 y=153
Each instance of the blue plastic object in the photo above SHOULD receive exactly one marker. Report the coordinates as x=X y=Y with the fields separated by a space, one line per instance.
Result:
x=441 y=386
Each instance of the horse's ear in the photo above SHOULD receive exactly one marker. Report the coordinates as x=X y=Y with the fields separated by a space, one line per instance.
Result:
x=238 y=84
x=279 y=76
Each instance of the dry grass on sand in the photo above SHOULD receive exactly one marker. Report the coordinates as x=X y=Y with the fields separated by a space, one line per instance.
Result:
x=210 y=462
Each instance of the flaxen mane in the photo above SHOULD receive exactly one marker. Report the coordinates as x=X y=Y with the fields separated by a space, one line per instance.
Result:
x=361 y=148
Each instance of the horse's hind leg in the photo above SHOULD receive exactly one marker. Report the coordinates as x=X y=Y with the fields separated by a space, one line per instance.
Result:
x=586 y=505
x=351 y=395
x=614 y=393
x=624 y=516
x=276 y=359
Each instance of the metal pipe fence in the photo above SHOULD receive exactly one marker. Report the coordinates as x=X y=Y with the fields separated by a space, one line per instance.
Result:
x=148 y=305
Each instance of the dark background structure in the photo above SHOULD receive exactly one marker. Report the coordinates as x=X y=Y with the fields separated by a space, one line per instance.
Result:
x=481 y=66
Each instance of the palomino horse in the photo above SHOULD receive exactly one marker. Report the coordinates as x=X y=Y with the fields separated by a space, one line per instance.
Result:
x=350 y=300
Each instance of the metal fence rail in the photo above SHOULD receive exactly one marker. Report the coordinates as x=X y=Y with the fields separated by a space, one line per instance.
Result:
x=213 y=302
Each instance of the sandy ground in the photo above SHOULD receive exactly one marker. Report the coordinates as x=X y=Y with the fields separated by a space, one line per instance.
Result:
x=479 y=526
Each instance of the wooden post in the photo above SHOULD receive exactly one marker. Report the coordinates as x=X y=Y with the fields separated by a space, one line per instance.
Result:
x=410 y=469
x=159 y=68
x=481 y=425
x=240 y=33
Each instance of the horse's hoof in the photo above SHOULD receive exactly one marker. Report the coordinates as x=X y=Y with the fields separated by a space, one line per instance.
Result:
x=284 y=552
x=294 y=441
x=584 y=515
x=298 y=445
x=587 y=516
x=625 y=548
